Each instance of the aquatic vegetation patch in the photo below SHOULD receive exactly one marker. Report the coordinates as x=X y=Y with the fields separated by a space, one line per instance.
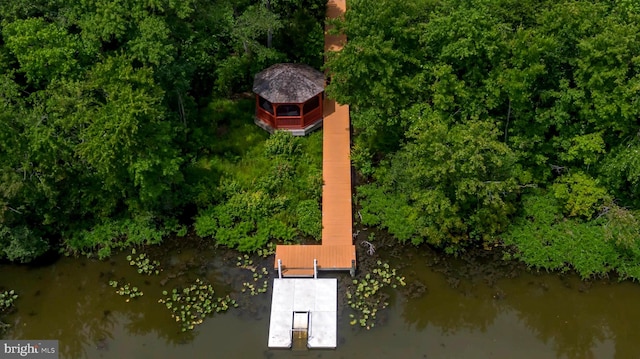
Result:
x=190 y=305
x=126 y=290
x=257 y=276
x=366 y=296
x=7 y=298
x=269 y=249
x=143 y=263
x=245 y=262
x=252 y=287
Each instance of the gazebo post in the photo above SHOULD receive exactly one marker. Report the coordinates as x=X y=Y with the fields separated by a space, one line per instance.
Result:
x=301 y=115
x=275 y=114
x=257 y=101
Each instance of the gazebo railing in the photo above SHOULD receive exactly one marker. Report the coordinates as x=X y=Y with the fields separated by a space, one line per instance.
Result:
x=265 y=116
x=289 y=121
x=311 y=117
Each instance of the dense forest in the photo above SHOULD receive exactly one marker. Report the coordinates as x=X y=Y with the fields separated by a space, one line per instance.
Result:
x=116 y=129
x=486 y=123
x=499 y=123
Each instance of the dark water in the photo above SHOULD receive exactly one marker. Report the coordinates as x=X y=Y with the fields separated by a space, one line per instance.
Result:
x=479 y=315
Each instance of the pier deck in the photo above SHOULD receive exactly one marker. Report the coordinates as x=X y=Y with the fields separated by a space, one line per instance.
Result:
x=337 y=251
x=306 y=309
x=318 y=297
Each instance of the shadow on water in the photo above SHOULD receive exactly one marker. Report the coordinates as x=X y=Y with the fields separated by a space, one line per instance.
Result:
x=562 y=315
x=451 y=308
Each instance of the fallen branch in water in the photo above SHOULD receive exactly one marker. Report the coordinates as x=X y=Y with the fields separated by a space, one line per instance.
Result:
x=371 y=248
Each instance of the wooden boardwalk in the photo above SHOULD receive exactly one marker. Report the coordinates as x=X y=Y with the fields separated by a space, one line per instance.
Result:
x=337 y=251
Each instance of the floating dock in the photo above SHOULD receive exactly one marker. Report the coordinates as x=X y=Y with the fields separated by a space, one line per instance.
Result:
x=304 y=308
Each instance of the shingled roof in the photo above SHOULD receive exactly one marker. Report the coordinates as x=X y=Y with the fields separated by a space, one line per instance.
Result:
x=288 y=83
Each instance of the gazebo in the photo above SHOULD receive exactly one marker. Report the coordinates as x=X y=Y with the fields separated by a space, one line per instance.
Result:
x=289 y=97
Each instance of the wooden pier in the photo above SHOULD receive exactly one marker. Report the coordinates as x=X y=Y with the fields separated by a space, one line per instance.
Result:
x=304 y=311
x=337 y=251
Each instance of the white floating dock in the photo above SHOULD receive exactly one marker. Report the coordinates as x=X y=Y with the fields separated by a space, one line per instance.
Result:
x=292 y=297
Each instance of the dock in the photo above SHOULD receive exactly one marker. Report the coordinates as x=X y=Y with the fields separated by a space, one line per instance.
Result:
x=304 y=310
x=337 y=251
x=304 y=305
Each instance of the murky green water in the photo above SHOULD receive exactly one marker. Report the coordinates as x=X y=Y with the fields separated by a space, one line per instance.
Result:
x=529 y=316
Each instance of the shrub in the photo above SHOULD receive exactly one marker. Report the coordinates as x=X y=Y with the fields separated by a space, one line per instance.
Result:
x=282 y=143
x=116 y=233
x=309 y=218
x=21 y=244
x=544 y=239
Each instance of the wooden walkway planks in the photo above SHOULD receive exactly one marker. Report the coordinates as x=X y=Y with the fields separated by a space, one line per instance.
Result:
x=337 y=251
x=337 y=224
x=330 y=257
x=335 y=9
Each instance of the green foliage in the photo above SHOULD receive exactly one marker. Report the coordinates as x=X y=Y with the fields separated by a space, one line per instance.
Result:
x=262 y=33
x=270 y=190
x=44 y=51
x=621 y=171
x=309 y=218
x=361 y=159
x=623 y=229
x=459 y=105
x=385 y=43
x=21 y=244
x=152 y=45
x=127 y=290
x=115 y=234
x=143 y=263
x=367 y=295
x=245 y=222
x=391 y=212
x=586 y=149
x=254 y=23
x=99 y=119
x=282 y=143
x=250 y=287
x=449 y=184
x=7 y=298
x=189 y=306
x=543 y=239
x=580 y=195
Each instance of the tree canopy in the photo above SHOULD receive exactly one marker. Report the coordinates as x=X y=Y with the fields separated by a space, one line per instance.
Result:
x=103 y=104
x=468 y=113
x=476 y=123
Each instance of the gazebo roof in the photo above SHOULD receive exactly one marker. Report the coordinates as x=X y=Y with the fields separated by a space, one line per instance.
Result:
x=288 y=83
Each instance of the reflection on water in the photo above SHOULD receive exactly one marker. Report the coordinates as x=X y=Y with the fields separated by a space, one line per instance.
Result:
x=557 y=315
x=529 y=316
